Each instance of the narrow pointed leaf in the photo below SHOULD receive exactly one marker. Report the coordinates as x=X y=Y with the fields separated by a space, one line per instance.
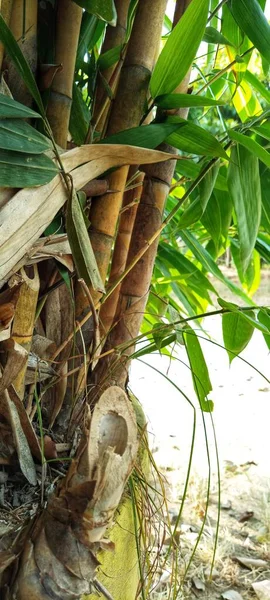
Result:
x=21 y=64
x=244 y=187
x=251 y=145
x=264 y=318
x=247 y=315
x=196 y=209
x=103 y=9
x=237 y=333
x=21 y=137
x=180 y=49
x=213 y=36
x=10 y=109
x=80 y=244
x=208 y=263
x=149 y=136
x=200 y=374
x=251 y=19
x=168 y=101
x=25 y=170
x=257 y=85
x=194 y=139
x=263 y=130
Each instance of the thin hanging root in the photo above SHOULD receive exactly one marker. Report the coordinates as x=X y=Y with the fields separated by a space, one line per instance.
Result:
x=59 y=562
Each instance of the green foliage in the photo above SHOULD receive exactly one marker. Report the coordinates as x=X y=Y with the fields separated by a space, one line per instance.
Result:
x=250 y=18
x=237 y=333
x=18 y=169
x=180 y=49
x=103 y=9
x=200 y=374
x=245 y=190
x=80 y=244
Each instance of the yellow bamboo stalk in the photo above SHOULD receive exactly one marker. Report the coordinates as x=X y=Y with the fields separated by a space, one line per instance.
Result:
x=135 y=287
x=68 y=24
x=121 y=248
x=24 y=319
x=23 y=24
x=5 y=10
x=115 y=36
x=127 y=112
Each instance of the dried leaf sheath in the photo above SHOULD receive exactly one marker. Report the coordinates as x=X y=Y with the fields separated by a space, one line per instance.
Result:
x=59 y=562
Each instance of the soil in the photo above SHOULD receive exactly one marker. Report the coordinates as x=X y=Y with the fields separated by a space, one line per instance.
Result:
x=241 y=421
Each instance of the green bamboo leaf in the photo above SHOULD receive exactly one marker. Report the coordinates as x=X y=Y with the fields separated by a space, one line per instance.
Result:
x=19 y=136
x=257 y=85
x=247 y=315
x=103 y=9
x=187 y=271
x=79 y=117
x=251 y=278
x=200 y=374
x=205 y=259
x=191 y=170
x=149 y=136
x=80 y=244
x=168 y=101
x=196 y=209
x=251 y=145
x=91 y=30
x=211 y=220
x=10 y=109
x=263 y=130
x=265 y=187
x=250 y=18
x=21 y=64
x=180 y=49
x=213 y=36
x=109 y=58
x=263 y=246
x=237 y=333
x=25 y=170
x=245 y=189
x=154 y=347
x=194 y=139
x=264 y=318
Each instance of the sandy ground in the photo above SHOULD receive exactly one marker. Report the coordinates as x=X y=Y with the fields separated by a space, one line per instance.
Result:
x=241 y=420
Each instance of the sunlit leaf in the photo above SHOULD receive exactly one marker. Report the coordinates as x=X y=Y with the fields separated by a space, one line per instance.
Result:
x=245 y=190
x=257 y=85
x=180 y=49
x=251 y=145
x=168 y=101
x=251 y=19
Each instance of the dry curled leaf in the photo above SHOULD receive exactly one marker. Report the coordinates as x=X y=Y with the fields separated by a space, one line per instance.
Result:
x=231 y=595
x=262 y=589
x=251 y=563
